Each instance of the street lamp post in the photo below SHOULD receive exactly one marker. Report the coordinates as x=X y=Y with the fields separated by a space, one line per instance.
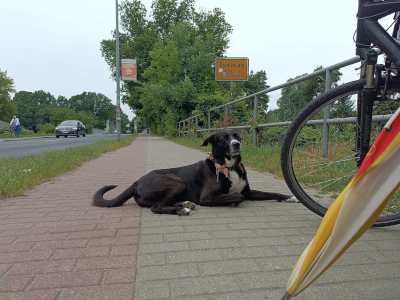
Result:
x=118 y=109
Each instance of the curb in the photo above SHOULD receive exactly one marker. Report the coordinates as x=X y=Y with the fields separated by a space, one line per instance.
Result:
x=34 y=137
x=26 y=138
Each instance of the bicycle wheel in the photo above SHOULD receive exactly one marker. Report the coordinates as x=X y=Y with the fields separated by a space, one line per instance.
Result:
x=317 y=181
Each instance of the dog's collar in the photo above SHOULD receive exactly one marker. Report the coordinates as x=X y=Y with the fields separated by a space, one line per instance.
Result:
x=223 y=168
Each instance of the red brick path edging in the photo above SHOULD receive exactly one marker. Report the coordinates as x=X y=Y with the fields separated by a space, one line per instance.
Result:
x=55 y=245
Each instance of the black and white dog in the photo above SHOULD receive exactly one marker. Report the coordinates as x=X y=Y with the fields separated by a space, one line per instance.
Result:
x=219 y=180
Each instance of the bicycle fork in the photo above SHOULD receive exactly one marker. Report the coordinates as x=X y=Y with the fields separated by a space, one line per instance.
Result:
x=364 y=109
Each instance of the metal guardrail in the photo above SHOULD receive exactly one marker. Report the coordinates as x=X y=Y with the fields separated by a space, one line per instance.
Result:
x=325 y=122
x=349 y=120
x=111 y=127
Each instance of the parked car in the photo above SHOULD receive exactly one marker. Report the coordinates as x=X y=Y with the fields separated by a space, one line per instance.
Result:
x=129 y=131
x=70 y=127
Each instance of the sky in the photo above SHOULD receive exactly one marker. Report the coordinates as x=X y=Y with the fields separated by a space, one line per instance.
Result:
x=54 y=45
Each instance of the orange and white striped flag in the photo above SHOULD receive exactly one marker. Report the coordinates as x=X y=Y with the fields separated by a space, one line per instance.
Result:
x=354 y=211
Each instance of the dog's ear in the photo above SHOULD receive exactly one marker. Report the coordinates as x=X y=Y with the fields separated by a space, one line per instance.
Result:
x=210 y=139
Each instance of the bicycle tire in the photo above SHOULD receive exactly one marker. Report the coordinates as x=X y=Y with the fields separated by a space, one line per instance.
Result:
x=298 y=187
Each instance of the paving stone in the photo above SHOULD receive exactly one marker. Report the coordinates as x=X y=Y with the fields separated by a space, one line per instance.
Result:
x=153 y=259
x=248 y=252
x=387 y=288
x=194 y=256
x=151 y=239
x=14 y=284
x=228 y=267
x=120 y=292
x=152 y=290
x=187 y=236
x=119 y=276
x=42 y=267
x=204 y=285
x=384 y=270
x=167 y=272
x=116 y=262
x=265 y=280
x=33 y=295
x=163 y=247
x=205 y=228
x=63 y=280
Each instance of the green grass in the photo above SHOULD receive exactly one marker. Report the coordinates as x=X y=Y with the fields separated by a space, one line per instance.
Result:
x=22 y=173
x=22 y=134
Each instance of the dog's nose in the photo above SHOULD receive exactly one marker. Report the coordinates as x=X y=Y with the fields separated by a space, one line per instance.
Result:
x=236 y=144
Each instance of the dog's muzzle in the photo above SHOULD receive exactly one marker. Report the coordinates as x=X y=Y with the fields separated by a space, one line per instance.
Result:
x=235 y=147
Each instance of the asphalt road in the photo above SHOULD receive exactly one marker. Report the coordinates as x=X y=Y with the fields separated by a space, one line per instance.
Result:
x=23 y=147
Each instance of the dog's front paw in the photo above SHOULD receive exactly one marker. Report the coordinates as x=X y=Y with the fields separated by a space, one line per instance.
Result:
x=292 y=199
x=184 y=211
x=188 y=204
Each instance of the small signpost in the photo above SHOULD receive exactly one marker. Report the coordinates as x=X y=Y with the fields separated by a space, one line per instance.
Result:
x=231 y=68
x=129 y=70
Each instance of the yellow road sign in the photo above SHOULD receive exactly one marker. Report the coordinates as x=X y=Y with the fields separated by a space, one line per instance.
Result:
x=231 y=68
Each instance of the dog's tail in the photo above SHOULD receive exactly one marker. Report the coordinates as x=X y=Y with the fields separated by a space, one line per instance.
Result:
x=98 y=199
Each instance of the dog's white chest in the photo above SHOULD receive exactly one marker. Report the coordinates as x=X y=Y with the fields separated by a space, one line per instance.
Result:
x=238 y=183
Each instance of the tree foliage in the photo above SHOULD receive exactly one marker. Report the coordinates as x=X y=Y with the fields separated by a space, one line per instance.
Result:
x=175 y=50
x=40 y=111
x=34 y=108
x=7 y=108
x=295 y=97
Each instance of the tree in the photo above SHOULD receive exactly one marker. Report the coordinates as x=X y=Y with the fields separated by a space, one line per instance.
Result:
x=34 y=108
x=96 y=104
x=61 y=114
x=167 y=12
x=7 y=107
x=297 y=96
x=175 y=50
x=165 y=65
x=257 y=82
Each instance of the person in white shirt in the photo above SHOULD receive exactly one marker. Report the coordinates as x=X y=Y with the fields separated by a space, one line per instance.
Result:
x=15 y=122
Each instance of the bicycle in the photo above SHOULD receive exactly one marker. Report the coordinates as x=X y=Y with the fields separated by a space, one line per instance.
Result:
x=352 y=114
x=14 y=131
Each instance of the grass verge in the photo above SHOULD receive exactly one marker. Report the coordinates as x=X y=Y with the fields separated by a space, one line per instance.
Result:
x=22 y=173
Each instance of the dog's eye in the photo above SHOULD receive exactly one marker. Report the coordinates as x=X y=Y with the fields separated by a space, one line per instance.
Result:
x=224 y=137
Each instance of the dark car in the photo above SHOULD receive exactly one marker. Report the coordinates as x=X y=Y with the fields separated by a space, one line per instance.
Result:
x=70 y=127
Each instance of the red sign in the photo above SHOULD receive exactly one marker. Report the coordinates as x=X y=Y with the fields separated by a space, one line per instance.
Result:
x=129 y=71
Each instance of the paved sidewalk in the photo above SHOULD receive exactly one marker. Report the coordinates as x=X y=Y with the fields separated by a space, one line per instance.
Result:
x=54 y=245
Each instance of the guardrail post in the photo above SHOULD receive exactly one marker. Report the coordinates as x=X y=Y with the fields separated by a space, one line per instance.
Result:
x=179 y=128
x=196 y=121
x=255 y=118
x=226 y=115
x=183 y=127
x=327 y=113
x=209 y=123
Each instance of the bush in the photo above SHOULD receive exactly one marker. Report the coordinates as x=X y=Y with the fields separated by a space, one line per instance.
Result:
x=273 y=135
x=46 y=128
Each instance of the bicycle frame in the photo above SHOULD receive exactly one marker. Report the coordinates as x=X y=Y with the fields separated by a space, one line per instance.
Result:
x=370 y=32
